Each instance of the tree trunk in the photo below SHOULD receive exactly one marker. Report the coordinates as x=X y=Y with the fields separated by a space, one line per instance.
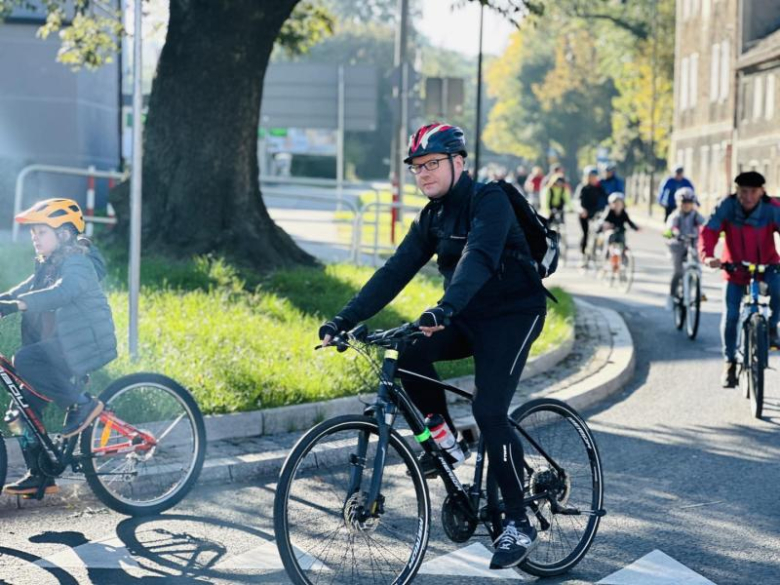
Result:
x=200 y=175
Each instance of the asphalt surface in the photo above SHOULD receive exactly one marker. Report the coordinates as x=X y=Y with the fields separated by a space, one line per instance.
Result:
x=688 y=471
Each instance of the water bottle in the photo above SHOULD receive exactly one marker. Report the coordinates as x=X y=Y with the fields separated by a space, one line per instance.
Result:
x=441 y=433
x=13 y=418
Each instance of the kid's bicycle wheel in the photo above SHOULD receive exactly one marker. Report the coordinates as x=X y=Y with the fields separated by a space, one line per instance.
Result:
x=626 y=273
x=320 y=529
x=678 y=307
x=756 y=360
x=693 y=305
x=561 y=454
x=146 y=451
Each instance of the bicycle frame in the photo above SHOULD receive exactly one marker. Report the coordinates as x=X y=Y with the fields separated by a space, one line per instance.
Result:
x=392 y=398
x=751 y=304
x=691 y=264
x=61 y=456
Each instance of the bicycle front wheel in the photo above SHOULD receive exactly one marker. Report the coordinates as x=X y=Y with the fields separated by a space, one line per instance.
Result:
x=757 y=350
x=693 y=305
x=320 y=531
x=145 y=453
x=3 y=462
x=563 y=460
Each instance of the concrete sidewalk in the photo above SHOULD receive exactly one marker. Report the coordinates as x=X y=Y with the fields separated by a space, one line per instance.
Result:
x=242 y=447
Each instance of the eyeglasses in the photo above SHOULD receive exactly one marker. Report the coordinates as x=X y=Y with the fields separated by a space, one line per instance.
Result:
x=430 y=165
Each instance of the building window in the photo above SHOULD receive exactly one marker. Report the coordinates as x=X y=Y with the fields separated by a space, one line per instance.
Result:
x=686 y=9
x=705 y=9
x=694 y=87
x=714 y=72
x=704 y=171
x=684 y=84
x=744 y=109
x=689 y=160
x=725 y=70
x=769 y=109
x=758 y=95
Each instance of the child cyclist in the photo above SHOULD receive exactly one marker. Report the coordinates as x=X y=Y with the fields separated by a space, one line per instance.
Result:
x=616 y=219
x=67 y=328
x=683 y=222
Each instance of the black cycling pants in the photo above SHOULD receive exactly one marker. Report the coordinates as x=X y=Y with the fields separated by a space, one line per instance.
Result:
x=500 y=347
x=584 y=224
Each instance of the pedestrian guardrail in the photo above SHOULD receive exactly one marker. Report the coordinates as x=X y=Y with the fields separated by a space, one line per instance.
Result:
x=90 y=172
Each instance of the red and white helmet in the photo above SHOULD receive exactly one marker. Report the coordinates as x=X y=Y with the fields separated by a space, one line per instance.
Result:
x=436 y=138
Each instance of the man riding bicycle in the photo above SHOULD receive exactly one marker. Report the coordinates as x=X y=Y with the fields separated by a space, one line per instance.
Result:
x=493 y=308
x=749 y=218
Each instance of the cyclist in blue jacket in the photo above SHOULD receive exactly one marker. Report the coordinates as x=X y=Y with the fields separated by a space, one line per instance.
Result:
x=670 y=187
x=492 y=309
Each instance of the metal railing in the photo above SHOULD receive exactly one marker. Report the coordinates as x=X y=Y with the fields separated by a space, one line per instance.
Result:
x=89 y=172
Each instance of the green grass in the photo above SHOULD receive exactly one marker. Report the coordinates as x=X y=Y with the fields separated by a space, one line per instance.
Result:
x=247 y=342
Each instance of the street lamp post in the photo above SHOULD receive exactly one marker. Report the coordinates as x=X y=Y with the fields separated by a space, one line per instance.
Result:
x=134 y=273
x=479 y=96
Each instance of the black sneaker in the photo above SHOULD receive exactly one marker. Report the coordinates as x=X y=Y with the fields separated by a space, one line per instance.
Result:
x=29 y=485
x=729 y=377
x=79 y=416
x=514 y=545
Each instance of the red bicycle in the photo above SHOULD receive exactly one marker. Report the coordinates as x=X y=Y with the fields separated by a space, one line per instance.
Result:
x=141 y=456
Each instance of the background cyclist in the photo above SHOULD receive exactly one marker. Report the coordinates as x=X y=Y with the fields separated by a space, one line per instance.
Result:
x=493 y=308
x=749 y=218
x=684 y=222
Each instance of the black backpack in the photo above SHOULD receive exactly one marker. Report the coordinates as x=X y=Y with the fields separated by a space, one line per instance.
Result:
x=543 y=241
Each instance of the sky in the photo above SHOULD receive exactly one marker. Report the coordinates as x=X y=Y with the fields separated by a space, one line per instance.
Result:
x=458 y=29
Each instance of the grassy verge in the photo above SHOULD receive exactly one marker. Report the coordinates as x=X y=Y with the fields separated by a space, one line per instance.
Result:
x=244 y=343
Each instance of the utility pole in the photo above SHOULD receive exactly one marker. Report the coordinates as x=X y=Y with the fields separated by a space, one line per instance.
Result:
x=400 y=94
x=478 y=131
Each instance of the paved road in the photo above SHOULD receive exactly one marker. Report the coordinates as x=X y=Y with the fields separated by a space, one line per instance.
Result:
x=688 y=472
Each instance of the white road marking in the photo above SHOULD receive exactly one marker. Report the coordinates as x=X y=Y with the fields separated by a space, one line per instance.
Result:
x=109 y=553
x=266 y=558
x=655 y=568
x=471 y=561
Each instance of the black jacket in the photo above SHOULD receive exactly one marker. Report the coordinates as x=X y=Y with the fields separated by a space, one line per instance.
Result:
x=481 y=253
x=592 y=198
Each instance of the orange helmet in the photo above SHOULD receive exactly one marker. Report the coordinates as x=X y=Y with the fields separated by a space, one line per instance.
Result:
x=54 y=213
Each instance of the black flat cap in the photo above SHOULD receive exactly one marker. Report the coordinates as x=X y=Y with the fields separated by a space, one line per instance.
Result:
x=750 y=179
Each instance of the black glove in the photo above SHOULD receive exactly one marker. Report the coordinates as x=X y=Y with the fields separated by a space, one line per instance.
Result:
x=8 y=308
x=334 y=327
x=436 y=316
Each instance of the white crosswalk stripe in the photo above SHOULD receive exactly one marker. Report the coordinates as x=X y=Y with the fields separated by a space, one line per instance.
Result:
x=471 y=561
x=655 y=568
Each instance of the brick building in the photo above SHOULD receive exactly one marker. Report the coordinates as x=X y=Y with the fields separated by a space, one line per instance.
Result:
x=726 y=118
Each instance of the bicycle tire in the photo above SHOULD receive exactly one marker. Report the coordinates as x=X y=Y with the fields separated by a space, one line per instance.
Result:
x=133 y=497
x=3 y=462
x=309 y=548
x=627 y=270
x=554 y=425
x=693 y=306
x=756 y=361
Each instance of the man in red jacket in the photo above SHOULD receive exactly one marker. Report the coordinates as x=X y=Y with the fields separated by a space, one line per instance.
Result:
x=749 y=218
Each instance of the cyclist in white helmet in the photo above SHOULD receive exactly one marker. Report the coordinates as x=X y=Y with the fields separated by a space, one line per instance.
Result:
x=683 y=222
x=617 y=218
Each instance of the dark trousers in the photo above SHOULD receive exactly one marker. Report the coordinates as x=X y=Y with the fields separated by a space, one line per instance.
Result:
x=584 y=224
x=667 y=212
x=500 y=347
x=42 y=365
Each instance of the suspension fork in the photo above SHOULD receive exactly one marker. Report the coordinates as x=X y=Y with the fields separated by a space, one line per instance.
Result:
x=385 y=412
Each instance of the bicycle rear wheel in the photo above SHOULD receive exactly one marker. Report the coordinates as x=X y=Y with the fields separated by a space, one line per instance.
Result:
x=318 y=501
x=553 y=432
x=693 y=305
x=756 y=360
x=130 y=474
x=626 y=270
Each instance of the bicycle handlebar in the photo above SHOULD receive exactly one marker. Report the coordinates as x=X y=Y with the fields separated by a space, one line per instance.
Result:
x=379 y=337
x=750 y=267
